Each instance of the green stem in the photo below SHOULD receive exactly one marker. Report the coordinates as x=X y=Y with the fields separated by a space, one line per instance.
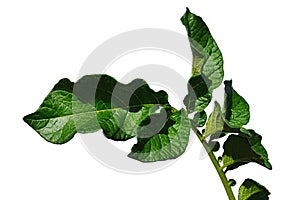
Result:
x=217 y=166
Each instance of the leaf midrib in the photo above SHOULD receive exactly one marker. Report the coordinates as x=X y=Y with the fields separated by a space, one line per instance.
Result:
x=97 y=111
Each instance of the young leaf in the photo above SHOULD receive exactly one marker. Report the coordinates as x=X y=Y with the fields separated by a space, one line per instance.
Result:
x=217 y=127
x=235 y=114
x=207 y=57
x=215 y=122
x=236 y=108
x=198 y=96
x=251 y=190
x=242 y=149
x=169 y=143
x=232 y=182
x=95 y=102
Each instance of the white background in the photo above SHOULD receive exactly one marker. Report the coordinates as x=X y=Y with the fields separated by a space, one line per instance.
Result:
x=43 y=42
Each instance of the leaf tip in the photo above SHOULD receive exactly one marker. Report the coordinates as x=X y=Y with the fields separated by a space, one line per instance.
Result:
x=269 y=166
x=228 y=83
x=26 y=119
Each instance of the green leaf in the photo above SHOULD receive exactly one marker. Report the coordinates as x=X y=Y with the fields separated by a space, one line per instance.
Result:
x=169 y=143
x=231 y=119
x=95 y=102
x=215 y=122
x=242 y=149
x=207 y=57
x=255 y=143
x=216 y=126
x=251 y=190
x=200 y=118
x=198 y=96
x=236 y=108
x=231 y=182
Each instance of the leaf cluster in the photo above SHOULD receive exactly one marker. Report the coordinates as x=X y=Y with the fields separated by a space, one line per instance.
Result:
x=124 y=111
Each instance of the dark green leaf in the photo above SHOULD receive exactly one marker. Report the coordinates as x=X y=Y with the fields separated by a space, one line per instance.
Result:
x=198 y=96
x=255 y=143
x=251 y=190
x=232 y=182
x=242 y=149
x=236 y=108
x=95 y=102
x=214 y=145
x=169 y=143
x=207 y=57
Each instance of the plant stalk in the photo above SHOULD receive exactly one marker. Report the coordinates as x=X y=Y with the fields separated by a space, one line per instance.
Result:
x=215 y=162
